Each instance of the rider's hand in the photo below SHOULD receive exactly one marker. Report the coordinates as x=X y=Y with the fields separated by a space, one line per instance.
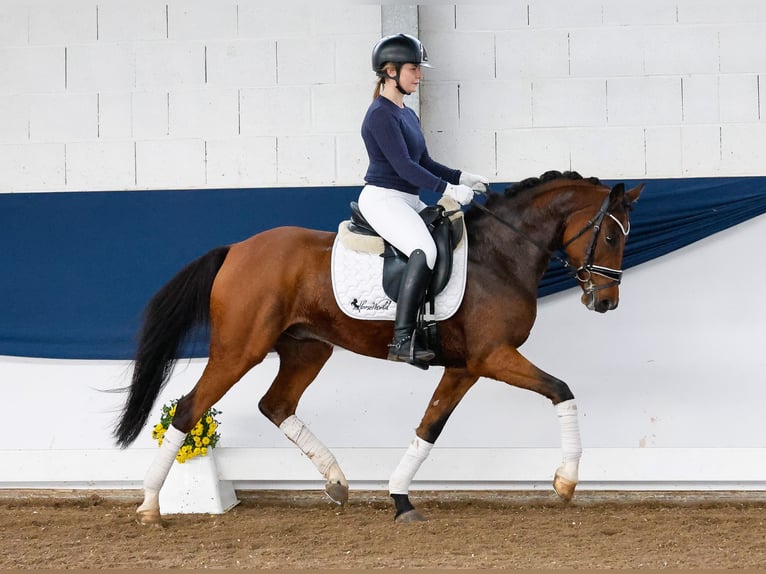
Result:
x=477 y=182
x=460 y=193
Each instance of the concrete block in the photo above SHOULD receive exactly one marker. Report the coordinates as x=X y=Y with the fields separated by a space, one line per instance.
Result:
x=739 y=98
x=14 y=24
x=150 y=114
x=700 y=99
x=607 y=52
x=32 y=167
x=352 y=160
x=701 y=151
x=564 y=14
x=14 y=118
x=439 y=106
x=204 y=113
x=663 y=151
x=170 y=164
x=742 y=48
x=114 y=115
x=100 y=165
x=275 y=111
x=302 y=61
x=523 y=153
x=350 y=19
x=201 y=19
x=436 y=18
x=32 y=69
x=338 y=108
x=486 y=16
x=265 y=20
x=716 y=12
x=471 y=150
x=743 y=149
x=644 y=13
x=135 y=21
x=464 y=56
x=100 y=67
x=170 y=65
x=608 y=152
x=352 y=59
x=681 y=50
x=569 y=102
x=306 y=160
x=495 y=105
x=242 y=162
x=532 y=54
x=242 y=63
x=68 y=22
x=644 y=101
x=63 y=117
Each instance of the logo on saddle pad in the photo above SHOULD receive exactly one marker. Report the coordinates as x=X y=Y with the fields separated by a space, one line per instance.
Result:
x=358 y=278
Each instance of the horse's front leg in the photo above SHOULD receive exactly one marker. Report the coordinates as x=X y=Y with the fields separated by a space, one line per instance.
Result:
x=451 y=389
x=508 y=365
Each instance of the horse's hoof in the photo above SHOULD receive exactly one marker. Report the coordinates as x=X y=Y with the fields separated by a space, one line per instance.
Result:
x=337 y=492
x=564 y=487
x=410 y=516
x=150 y=517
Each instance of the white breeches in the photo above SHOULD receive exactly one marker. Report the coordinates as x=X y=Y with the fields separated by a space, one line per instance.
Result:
x=394 y=215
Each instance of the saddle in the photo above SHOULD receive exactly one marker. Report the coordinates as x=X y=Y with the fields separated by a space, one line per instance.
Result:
x=446 y=228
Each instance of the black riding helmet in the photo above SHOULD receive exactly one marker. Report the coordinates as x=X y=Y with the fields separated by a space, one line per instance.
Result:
x=398 y=49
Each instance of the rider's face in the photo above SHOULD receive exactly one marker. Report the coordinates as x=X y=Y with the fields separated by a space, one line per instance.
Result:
x=409 y=77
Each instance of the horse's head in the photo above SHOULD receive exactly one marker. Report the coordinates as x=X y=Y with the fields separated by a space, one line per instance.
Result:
x=594 y=241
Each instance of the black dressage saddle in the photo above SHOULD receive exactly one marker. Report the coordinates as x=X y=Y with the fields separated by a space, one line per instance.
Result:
x=447 y=234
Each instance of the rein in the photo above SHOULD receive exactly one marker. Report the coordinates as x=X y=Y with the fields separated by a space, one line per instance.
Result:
x=587 y=269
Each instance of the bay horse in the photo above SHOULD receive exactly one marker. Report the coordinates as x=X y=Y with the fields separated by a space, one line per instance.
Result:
x=273 y=292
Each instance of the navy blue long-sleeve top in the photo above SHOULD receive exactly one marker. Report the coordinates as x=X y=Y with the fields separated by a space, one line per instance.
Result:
x=397 y=150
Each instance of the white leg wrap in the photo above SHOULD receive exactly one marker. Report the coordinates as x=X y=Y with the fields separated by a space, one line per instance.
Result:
x=571 y=446
x=158 y=471
x=416 y=453
x=318 y=453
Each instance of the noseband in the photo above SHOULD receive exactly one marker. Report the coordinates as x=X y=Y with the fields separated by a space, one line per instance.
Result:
x=585 y=272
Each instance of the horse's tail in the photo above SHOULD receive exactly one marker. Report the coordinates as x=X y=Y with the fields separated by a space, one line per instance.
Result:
x=170 y=316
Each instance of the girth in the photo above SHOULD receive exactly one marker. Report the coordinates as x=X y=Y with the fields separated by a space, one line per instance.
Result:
x=446 y=233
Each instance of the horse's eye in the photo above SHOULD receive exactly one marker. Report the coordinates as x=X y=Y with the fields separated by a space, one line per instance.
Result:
x=609 y=238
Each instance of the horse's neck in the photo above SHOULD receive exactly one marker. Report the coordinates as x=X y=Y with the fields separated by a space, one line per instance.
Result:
x=525 y=231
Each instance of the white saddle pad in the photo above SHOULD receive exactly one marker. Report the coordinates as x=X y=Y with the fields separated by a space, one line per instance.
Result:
x=357 y=279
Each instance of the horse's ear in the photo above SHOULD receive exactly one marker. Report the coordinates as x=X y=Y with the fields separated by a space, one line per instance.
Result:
x=617 y=192
x=635 y=192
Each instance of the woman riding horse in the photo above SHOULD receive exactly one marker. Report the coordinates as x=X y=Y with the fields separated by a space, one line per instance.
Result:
x=399 y=168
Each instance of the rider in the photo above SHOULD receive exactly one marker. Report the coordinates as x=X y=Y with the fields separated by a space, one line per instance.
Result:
x=399 y=168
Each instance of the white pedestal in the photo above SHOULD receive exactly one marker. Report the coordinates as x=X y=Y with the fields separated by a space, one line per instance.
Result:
x=195 y=487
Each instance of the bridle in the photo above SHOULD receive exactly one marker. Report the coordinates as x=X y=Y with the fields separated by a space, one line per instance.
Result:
x=584 y=273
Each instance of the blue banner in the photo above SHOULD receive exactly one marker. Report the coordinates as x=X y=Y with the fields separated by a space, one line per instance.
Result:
x=78 y=267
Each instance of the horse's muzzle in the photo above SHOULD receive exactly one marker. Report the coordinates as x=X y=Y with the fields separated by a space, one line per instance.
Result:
x=600 y=304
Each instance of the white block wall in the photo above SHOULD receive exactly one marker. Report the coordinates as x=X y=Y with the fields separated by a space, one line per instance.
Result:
x=613 y=89
x=158 y=94
x=209 y=93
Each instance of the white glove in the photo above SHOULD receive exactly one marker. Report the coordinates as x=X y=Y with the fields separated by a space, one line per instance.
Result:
x=460 y=193
x=473 y=181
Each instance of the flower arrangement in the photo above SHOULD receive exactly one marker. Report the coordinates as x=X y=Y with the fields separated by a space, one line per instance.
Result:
x=202 y=437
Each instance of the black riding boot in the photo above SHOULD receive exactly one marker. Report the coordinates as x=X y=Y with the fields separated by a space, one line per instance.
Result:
x=412 y=289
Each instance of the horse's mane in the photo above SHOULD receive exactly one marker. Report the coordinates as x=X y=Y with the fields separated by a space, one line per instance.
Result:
x=527 y=184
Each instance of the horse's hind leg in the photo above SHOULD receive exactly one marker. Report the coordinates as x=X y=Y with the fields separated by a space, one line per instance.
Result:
x=217 y=378
x=300 y=361
x=451 y=389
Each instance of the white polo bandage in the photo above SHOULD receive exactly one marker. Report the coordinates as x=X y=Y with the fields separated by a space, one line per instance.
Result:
x=571 y=447
x=158 y=471
x=305 y=440
x=402 y=477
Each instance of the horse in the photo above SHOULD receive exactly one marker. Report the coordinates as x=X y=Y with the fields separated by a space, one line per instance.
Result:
x=273 y=292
